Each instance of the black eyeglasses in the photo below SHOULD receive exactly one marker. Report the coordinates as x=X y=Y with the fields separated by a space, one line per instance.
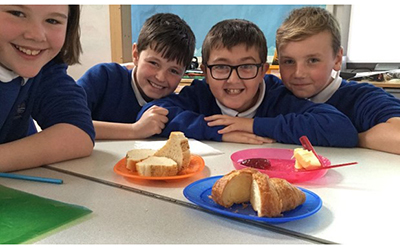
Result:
x=244 y=71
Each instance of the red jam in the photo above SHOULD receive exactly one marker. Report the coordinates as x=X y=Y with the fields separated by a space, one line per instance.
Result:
x=258 y=163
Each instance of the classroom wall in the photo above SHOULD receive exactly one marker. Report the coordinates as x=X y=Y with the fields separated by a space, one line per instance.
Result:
x=95 y=38
x=201 y=18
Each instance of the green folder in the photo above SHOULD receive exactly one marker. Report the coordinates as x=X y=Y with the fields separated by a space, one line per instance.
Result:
x=24 y=216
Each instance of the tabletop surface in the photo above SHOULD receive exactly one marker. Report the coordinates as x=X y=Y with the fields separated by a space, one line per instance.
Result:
x=357 y=200
x=124 y=217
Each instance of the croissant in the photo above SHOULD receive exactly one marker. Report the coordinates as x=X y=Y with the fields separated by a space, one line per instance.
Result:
x=269 y=197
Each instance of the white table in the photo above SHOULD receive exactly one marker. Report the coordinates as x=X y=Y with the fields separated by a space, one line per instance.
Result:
x=359 y=202
x=125 y=217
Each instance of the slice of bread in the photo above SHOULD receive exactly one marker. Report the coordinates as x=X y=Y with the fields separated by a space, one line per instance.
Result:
x=136 y=155
x=157 y=166
x=176 y=148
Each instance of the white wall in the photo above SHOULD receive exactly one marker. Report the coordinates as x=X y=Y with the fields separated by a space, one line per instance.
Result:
x=374 y=32
x=95 y=39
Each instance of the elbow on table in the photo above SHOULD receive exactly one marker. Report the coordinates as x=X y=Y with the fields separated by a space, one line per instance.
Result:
x=87 y=151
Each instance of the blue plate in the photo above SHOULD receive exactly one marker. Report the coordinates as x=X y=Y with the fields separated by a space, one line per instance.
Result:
x=199 y=192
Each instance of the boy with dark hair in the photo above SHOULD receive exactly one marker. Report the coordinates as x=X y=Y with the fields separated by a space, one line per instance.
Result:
x=116 y=94
x=235 y=104
x=309 y=52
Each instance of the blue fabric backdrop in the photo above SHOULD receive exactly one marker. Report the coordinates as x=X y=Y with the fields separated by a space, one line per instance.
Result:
x=202 y=17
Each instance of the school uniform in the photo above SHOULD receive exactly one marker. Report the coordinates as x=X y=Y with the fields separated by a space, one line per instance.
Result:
x=51 y=97
x=365 y=104
x=112 y=94
x=278 y=114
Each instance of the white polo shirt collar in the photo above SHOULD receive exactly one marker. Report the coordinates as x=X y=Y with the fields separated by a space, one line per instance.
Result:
x=139 y=96
x=250 y=113
x=7 y=76
x=327 y=93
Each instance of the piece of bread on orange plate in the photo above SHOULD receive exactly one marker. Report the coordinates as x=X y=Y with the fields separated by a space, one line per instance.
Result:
x=269 y=197
x=137 y=155
x=157 y=166
x=305 y=159
x=176 y=148
x=148 y=162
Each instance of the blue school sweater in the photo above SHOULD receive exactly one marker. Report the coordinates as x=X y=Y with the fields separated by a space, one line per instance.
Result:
x=51 y=97
x=281 y=116
x=365 y=104
x=109 y=93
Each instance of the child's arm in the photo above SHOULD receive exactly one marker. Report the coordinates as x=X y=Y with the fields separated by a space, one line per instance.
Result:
x=239 y=130
x=152 y=122
x=383 y=137
x=245 y=138
x=57 y=143
x=230 y=123
x=186 y=112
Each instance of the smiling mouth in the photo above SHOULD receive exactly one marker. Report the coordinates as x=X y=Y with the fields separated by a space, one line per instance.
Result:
x=27 y=51
x=156 y=85
x=233 y=91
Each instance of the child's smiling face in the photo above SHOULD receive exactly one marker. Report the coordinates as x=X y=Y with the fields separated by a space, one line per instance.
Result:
x=235 y=93
x=156 y=76
x=31 y=36
x=306 y=66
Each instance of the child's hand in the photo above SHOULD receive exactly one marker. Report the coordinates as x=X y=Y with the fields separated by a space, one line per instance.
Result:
x=231 y=123
x=152 y=122
x=245 y=138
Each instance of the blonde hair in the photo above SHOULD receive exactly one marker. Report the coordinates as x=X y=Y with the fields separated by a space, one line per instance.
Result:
x=305 y=22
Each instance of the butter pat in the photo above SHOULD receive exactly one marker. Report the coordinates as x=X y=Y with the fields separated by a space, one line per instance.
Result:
x=305 y=159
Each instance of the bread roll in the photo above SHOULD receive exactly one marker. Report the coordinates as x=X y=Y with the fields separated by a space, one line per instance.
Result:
x=157 y=166
x=268 y=196
x=264 y=198
x=232 y=188
x=136 y=155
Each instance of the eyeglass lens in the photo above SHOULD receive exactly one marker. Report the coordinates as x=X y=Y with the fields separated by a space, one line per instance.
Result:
x=246 y=71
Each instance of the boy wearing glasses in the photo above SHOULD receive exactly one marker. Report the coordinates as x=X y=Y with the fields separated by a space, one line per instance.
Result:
x=235 y=104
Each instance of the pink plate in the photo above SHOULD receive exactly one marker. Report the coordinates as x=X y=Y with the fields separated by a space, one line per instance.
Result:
x=282 y=164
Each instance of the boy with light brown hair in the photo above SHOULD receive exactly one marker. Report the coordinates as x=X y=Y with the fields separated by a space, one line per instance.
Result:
x=310 y=53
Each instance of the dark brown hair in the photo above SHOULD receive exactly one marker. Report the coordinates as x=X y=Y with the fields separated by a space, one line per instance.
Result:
x=170 y=35
x=72 y=48
x=233 y=32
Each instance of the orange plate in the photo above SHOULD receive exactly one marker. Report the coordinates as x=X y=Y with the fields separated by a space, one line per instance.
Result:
x=196 y=165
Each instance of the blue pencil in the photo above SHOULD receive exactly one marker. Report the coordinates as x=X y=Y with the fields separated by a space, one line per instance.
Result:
x=31 y=178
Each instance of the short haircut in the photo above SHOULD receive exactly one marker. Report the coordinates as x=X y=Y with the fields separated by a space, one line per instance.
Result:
x=233 y=32
x=305 y=22
x=72 y=48
x=169 y=35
